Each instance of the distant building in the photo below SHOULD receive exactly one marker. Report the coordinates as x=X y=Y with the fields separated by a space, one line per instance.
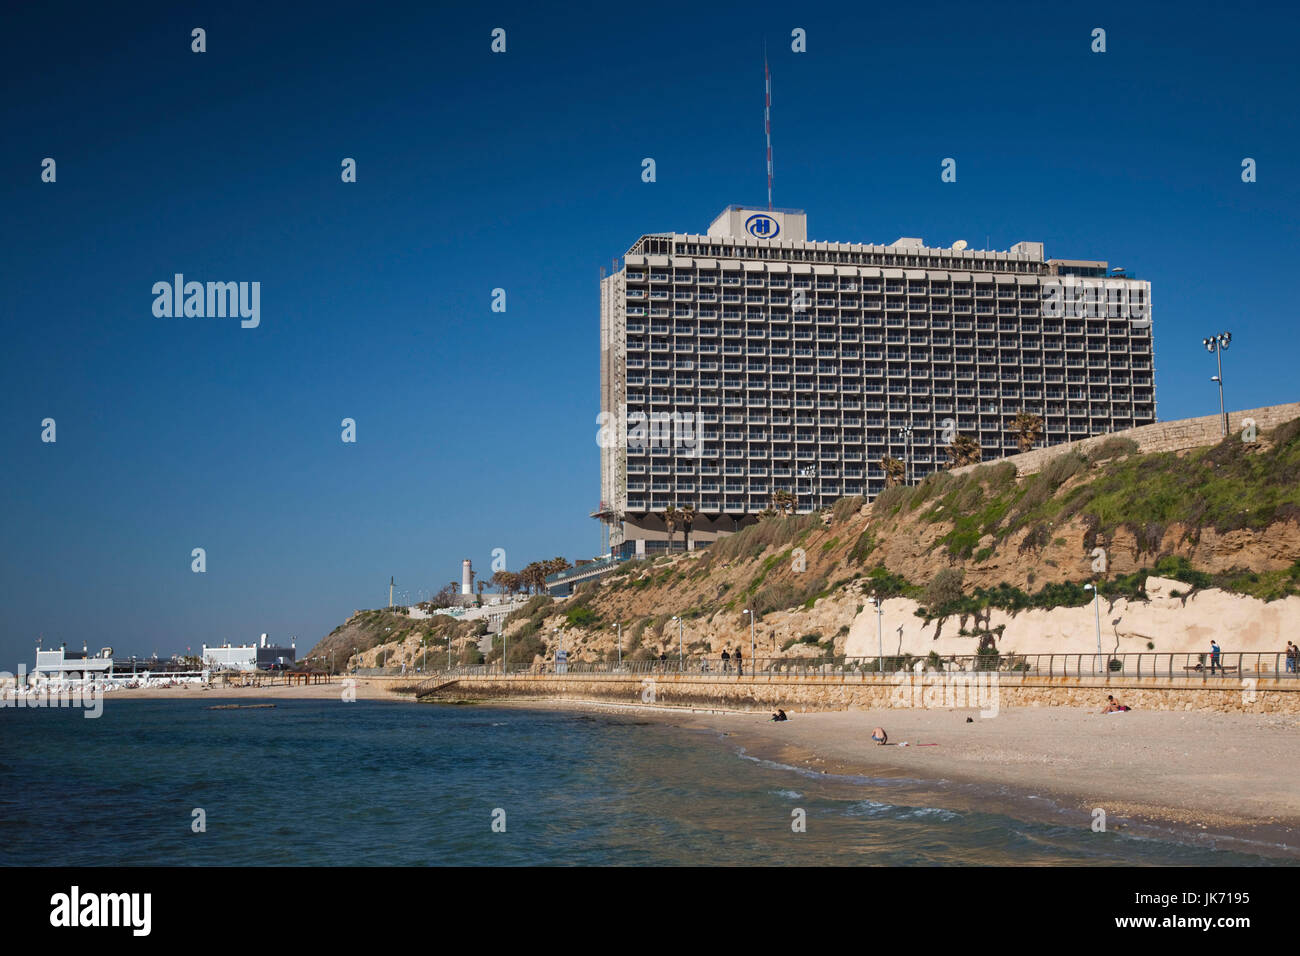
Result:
x=63 y=664
x=249 y=657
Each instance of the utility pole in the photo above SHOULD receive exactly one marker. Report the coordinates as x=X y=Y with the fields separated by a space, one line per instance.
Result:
x=391 y=581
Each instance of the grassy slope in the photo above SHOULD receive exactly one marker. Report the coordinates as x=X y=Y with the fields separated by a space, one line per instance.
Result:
x=1228 y=487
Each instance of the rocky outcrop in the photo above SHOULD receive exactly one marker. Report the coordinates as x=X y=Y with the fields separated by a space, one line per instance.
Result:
x=1169 y=621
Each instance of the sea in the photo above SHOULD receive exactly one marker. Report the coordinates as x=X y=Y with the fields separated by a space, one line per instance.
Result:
x=322 y=783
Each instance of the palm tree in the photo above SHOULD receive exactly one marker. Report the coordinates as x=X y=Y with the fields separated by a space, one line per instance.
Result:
x=688 y=521
x=1027 y=428
x=534 y=577
x=963 y=450
x=894 y=471
x=670 y=520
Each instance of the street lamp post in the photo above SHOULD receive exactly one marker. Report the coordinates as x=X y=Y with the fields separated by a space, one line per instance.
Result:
x=880 y=633
x=681 y=657
x=906 y=432
x=620 y=644
x=1096 y=603
x=810 y=473
x=1218 y=344
x=752 y=616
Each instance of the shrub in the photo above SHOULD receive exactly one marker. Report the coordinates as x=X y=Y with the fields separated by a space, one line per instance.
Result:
x=581 y=617
x=943 y=590
x=883 y=583
x=1061 y=469
x=1114 y=447
x=860 y=551
x=846 y=508
x=890 y=500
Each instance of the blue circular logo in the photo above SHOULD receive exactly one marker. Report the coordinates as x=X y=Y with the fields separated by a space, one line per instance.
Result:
x=762 y=226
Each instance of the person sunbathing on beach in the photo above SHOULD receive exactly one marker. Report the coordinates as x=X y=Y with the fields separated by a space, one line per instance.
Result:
x=1112 y=706
x=780 y=715
x=879 y=736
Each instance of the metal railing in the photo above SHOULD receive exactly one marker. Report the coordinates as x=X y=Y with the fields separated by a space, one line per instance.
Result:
x=1263 y=665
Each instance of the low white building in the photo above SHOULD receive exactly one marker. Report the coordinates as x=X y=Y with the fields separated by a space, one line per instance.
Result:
x=248 y=657
x=65 y=665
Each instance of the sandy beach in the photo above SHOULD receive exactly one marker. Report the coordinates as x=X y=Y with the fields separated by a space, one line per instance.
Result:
x=1212 y=775
x=1236 y=774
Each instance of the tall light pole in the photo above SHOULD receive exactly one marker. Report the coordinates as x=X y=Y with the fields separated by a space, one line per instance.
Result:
x=620 y=643
x=680 y=656
x=810 y=473
x=880 y=632
x=906 y=432
x=751 y=635
x=1218 y=344
x=1096 y=603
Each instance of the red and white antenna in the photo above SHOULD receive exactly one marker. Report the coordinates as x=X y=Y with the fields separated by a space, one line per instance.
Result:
x=767 y=124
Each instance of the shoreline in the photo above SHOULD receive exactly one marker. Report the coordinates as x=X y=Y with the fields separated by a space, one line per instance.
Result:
x=1131 y=777
x=1131 y=774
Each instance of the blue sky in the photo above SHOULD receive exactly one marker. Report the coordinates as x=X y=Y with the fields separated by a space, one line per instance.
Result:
x=476 y=430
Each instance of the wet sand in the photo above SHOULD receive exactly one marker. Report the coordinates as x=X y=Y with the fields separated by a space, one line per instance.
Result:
x=1204 y=775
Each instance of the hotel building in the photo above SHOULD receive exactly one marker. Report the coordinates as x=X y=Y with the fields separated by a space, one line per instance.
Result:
x=749 y=360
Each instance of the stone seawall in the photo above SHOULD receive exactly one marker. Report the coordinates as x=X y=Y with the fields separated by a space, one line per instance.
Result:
x=1162 y=436
x=983 y=690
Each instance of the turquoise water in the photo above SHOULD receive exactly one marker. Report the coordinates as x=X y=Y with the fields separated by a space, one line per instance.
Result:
x=377 y=783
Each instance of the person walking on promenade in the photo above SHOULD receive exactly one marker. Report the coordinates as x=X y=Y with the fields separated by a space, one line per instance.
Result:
x=740 y=669
x=1292 y=654
x=1214 y=656
x=726 y=661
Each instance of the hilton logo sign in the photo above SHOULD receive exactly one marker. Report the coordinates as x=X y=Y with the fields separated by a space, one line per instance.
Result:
x=762 y=226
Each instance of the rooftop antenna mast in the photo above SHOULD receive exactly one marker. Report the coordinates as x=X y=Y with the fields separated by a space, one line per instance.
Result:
x=767 y=123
